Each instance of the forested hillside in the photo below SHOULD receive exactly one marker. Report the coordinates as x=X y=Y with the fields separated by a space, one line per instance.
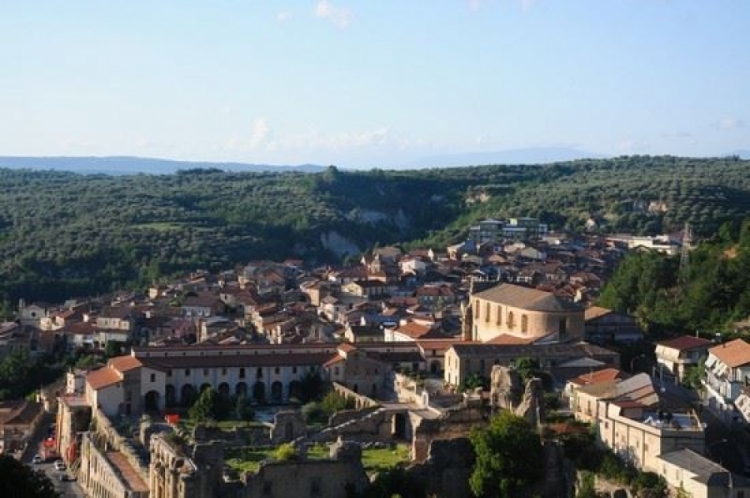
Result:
x=63 y=234
x=709 y=295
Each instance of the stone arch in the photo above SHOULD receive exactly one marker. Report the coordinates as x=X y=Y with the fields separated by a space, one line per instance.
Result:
x=151 y=401
x=188 y=395
x=295 y=389
x=170 y=395
x=224 y=390
x=399 y=426
x=277 y=391
x=240 y=389
x=259 y=392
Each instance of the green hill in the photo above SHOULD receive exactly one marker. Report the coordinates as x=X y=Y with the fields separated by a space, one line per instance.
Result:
x=63 y=234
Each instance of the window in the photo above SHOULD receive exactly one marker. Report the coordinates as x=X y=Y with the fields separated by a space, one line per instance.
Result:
x=476 y=308
x=524 y=324
x=562 y=326
x=335 y=370
x=224 y=371
x=187 y=372
x=205 y=372
x=276 y=370
x=152 y=378
x=294 y=370
x=487 y=312
x=511 y=320
x=169 y=373
x=499 y=315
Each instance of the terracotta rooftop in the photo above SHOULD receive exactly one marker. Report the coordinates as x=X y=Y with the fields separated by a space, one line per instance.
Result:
x=684 y=343
x=595 y=312
x=605 y=375
x=511 y=339
x=414 y=330
x=526 y=298
x=734 y=353
x=104 y=377
x=128 y=473
x=125 y=363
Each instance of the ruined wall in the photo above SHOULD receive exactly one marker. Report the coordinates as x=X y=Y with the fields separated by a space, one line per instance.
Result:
x=105 y=431
x=447 y=468
x=338 y=477
x=453 y=423
x=288 y=425
x=360 y=400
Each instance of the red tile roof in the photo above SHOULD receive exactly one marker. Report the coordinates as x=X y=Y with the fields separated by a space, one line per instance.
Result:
x=125 y=363
x=605 y=375
x=104 y=377
x=685 y=342
x=734 y=353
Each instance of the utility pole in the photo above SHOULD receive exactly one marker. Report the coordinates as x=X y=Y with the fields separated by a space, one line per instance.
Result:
x=687 y=243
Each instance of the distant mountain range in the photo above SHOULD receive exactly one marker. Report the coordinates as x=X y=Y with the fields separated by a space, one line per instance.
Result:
x=532 y=155
x=127 y=165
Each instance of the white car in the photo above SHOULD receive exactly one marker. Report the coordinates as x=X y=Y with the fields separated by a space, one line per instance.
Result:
x=60 y=465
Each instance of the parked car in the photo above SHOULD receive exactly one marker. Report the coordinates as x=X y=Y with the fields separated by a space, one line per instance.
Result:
x=64 y=477
x=37 y=460
x=60 y=465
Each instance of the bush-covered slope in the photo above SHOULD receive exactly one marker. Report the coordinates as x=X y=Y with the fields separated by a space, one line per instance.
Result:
x=63 y=234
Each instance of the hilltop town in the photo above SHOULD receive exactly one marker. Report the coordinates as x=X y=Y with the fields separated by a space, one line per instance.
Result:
x=227 y=383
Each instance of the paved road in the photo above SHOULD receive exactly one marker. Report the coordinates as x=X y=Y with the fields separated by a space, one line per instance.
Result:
x=65 y=488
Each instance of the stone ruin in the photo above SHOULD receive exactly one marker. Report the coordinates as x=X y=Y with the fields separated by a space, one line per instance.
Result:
x=507 y=392
x=288 y=425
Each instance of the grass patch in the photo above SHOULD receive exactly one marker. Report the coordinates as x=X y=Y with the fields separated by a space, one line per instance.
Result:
x=373 y=459
x=379 y=459
x=246 y=459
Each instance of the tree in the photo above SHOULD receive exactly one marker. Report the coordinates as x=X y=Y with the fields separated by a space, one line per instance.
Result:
x=508 y=453
x=286 y=452
x=242 y=408
x=17 y=479
x=205 y=407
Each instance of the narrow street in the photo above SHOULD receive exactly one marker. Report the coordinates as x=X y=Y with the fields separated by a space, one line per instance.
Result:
x=66 y=488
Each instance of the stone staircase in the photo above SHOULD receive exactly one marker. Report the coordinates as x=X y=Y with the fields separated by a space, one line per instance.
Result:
x=366 y=424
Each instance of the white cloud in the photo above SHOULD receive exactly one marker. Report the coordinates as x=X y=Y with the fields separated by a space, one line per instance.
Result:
x=259 y=135
x=338 y=141
x=339 y=16
x=284 y=15
x=677 y=134
x=730 y=123
x=631 y=146
x=474 y=5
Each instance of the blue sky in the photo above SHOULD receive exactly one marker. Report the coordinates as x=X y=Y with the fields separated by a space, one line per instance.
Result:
x=374 y=83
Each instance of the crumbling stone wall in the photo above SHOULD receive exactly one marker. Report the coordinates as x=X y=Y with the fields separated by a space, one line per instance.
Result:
x=288 y=425
x=338 y=477
x=447 y=468
x=506 y=388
